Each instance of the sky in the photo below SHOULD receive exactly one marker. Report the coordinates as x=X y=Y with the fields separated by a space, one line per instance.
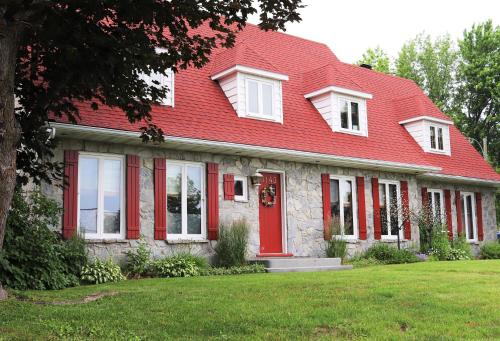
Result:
x=349 y=27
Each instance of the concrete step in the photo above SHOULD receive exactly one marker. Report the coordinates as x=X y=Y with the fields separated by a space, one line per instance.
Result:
x=310 y=268
x=297 y=262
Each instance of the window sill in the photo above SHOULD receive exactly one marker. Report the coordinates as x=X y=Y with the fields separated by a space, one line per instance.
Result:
x=352 y=132
x=186 y=241
x=105 y=241
x=395 y=240
x=263 y=118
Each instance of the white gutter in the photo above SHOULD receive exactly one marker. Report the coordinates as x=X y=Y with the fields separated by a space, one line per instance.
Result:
x=458 y=179
x=97 y=133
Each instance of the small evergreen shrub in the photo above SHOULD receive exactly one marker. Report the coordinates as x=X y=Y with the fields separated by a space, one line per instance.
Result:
x=234 y=270
x=387 y=254
x=100 y=272
x=174 y=267
x=336 y=247
x=138 y=260
x=490 y=250
x=232 y=244
x=34 y=256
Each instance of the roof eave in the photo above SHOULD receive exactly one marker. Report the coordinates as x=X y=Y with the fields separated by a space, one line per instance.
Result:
x=427 y=118
x=249 y=70
x=459 y=179
x=340 y=90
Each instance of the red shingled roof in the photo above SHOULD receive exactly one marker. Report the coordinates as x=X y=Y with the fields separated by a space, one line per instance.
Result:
x=202 y=111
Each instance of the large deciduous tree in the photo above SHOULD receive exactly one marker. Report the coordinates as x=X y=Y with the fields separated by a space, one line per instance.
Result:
x=56 y=53
x=377 y=59
x=431 y=64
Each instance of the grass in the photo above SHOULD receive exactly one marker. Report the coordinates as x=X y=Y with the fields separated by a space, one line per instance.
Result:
x=422 y=301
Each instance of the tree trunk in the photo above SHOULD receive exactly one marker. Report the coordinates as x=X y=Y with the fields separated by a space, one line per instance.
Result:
x=10 y=131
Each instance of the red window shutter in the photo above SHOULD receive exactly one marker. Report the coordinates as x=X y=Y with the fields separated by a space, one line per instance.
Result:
x=133 y=195
x=160 y=179
x=479 y=214
x=327 y=214
x=212 y=200
x=377 y=226
x=70 y=194
x=447 y=207
x=228 y=187
x=406 y=210
x=360 y=185
x=458 y=205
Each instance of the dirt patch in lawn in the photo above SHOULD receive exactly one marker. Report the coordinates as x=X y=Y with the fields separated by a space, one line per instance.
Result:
x=83 y=300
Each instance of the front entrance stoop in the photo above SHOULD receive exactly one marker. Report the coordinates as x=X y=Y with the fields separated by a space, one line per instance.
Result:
x=301 y=264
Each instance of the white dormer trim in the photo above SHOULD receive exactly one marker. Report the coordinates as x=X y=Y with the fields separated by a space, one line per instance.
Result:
x=339 y=90
x=427 y=118
x=251 y=71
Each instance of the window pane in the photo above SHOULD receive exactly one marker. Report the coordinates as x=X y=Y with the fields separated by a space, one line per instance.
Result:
x=111 y=182
x=193 y=200
x=335 y=203
x=440 y=139
x=238 y=187
x=174 y=199
x=393 y=201
x=437 y=206
x=88 y=194
x=433 y=137
x=470 y=225
x=343 y=115
x=354 y=116
x=253 y=97
x=462 y=201
x=383 y=209
x=267 y=99
x=346 y=190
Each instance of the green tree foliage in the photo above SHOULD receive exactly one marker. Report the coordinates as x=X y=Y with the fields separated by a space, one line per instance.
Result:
x=477 y=102
x=377 y=58
x=431 y=64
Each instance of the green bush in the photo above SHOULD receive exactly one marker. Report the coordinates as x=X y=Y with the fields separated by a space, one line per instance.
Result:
x=100 y=272
x=232 y=244
x=387 y=254
x=490 y=250
x=463 y=248
x=358 y=262
x=336 y=247
x=138 y=260
x=234 y=270
x=34 y=256
x=200 y=261
x=440 y=246
x=173 y=267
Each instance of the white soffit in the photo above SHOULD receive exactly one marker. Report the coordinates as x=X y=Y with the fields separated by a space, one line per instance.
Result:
x=339 y=90
x=252 y=71
x=427 y=118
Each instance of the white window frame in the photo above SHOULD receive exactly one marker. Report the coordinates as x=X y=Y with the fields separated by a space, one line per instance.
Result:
x=436 y=138
x=354 y=207
x=244 y=196
x=349 y=128
x=474 y=216
x=260 y=102
x=165 y=80
x=184 y=235
x=100 y=196
x=432 y=204
x=386 y=183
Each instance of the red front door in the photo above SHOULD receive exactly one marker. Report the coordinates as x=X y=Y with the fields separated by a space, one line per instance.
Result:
x=271 y=238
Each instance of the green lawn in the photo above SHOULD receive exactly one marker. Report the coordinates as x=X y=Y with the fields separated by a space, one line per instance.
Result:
x=424 y=301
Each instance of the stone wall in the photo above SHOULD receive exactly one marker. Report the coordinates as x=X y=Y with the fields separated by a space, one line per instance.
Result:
x=304 y=222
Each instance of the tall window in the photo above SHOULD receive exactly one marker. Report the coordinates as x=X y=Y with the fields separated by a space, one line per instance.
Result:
x=185 y=201
x=435 y=200
x=436 y=137
x=343 y=206
x=390 y=204
x=469 y=219
x=259 y=97
x=101 y=203
x=349 y=114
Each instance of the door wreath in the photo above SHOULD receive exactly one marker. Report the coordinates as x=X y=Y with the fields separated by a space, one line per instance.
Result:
x=268 y=196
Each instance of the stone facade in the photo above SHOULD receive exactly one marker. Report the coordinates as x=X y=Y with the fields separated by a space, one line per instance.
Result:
x=303 y=200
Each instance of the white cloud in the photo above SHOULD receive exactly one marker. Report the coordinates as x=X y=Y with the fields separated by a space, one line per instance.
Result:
x=350 y=27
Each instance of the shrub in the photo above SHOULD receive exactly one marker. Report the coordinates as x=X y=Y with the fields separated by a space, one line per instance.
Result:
x=490 y=250
x=235 y=270
x=440 y=246
x=461 y=244
x=34 y=256
x=336 y=247
x=364 y=262
x=174 y=267
x=389 y=254
x=232 y=244
x=100 y=272
x=138 y=260
x=200 y=261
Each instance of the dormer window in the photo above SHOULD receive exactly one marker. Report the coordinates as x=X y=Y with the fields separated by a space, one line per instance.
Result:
x=436 y=139
x=349 y=114
x=159 y=81
x=432 y=134
x=260 y=97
